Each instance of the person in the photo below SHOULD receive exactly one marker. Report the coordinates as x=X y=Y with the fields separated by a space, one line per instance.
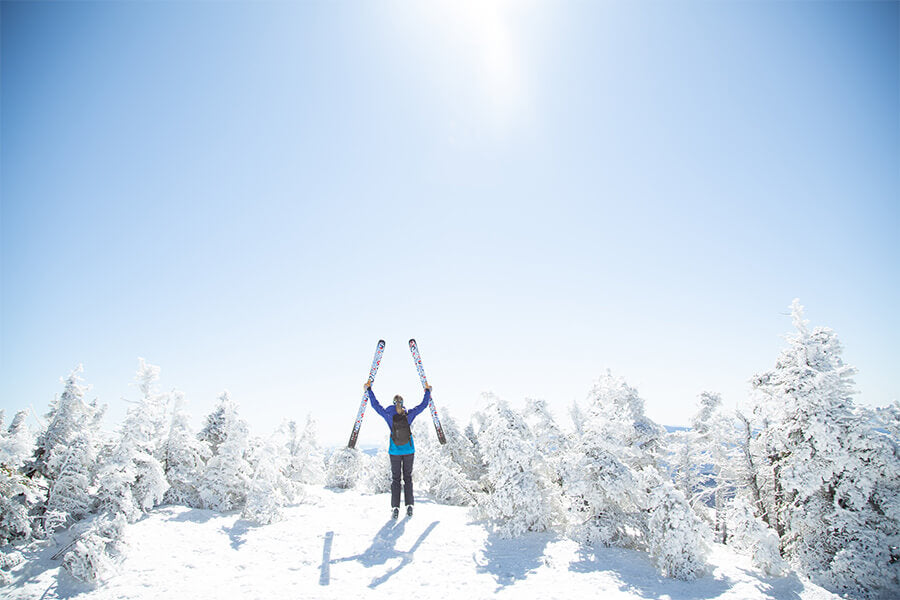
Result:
x=402 y=449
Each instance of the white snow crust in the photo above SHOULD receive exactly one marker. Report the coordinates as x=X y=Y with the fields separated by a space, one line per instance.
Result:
x=341 y=544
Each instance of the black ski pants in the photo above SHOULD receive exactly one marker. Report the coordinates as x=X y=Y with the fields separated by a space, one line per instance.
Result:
x=401 y=464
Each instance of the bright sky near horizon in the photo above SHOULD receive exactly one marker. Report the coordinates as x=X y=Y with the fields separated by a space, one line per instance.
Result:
x=251 y=195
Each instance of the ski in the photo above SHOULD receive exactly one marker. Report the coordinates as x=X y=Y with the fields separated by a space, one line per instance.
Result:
x=379 y=350
x=434 y=416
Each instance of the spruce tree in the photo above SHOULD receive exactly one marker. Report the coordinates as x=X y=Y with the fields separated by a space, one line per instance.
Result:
x=63 y=462
x=829 y=481
x=131 y=479
x=521 y=495
x=225 y=479
x=17 y=492
x=184 y=458
x=619 y=489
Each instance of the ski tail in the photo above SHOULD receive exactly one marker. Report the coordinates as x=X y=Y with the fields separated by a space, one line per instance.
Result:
x=417 y=358
x=376 y=361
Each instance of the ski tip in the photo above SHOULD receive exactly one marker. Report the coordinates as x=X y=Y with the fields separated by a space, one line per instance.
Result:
x=412 y=341
x=381 y=342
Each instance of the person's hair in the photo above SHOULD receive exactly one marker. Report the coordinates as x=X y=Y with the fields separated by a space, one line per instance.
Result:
x=398 y=398
x=398 y=402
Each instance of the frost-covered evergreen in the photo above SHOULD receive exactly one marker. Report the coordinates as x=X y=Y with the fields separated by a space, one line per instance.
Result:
x=445 y=471
x=888 y=419
x=70 y=497
x=675 y=535
x=344 y=468
x=269 y=489
x=17 y=492
x=829 y=483
x=708 y=476
x=521 y=495
x=551 y=441
x=63 y=462
x=616 y=412
x=131 y=480
x=184 y=458
x=16 y=443
x=620 y=492
x=682 y=466
x=97 y=548
x=375 y=472
x=600 y=484
x=748 y=533
x=213 y=432
x=306 y=463
x=603 y=494
x=69 y=417
x=225 y=480
x=8 y=560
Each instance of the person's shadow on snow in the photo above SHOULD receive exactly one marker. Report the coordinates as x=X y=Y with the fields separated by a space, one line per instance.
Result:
x=382 y=549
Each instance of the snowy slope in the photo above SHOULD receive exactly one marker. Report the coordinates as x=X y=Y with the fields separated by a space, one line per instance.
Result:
x=342 y=544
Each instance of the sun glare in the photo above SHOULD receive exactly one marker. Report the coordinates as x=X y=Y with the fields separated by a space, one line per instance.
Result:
x=481 y=41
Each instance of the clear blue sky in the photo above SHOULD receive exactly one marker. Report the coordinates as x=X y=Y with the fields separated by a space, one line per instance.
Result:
x=251 y=195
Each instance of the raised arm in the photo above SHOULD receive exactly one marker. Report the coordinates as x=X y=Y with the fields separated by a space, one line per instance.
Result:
x=413 y=412
x=378 y=408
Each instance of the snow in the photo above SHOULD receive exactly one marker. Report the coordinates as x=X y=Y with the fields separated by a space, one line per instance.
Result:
x=341 y=542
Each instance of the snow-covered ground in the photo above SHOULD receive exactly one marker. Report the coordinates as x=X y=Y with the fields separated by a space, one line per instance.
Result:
x=342 y=543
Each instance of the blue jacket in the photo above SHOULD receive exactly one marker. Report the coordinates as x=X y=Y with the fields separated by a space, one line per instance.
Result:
x=388 y=415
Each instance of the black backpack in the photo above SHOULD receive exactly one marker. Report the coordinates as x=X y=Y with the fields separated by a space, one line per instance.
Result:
x=400 y=432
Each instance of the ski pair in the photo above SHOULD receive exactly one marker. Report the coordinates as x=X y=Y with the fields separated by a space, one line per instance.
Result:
x=376 y=361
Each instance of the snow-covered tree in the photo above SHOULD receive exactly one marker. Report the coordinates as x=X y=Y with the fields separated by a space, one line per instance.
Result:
x=375 y=472
x=616 y=412
x=707 y=473
x=552 y=442
x=184 y=458
x=600 y=479
x=8 y=560
x=344 y=468
x=603 y=494
x=131 y=479
x=16 y=443
x=830 y=484
x=306 y=464
x=63 y=462
x=15 y=495
x=619 y=490
x=675 y=535
x=17 y=492
x=71 y=494
x=748 y=533
x=521 y=493
x=577 y=415
x=154 y=404
x=69 y=417
x=214 y=431
x=98 y=546
x=747 y=471
x=225 y=480
x=683 y=468
x=445 y=471
x=888 y=418
x=270 y=489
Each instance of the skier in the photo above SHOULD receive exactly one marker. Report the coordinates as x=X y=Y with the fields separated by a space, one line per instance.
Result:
x=401 y=449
